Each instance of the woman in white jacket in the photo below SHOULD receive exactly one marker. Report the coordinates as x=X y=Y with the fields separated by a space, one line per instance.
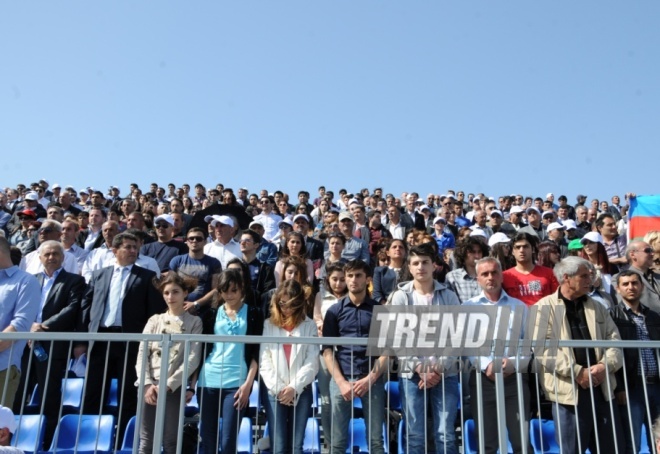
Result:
x=288 y=370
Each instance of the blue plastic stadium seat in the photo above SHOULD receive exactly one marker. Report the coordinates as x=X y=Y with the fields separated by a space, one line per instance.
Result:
x=244 y=443
x=192 y=407
x=112 y=400
x=72 y=394
x=127 y=443
x=357 y=408
x=30 y=430
x=254 y=404
x=96 y=434
x=312 y=441
x=542 y=436
x=357 y=437
x=470 y=439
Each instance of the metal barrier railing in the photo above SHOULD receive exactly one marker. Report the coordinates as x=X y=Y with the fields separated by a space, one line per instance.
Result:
x=478 y=401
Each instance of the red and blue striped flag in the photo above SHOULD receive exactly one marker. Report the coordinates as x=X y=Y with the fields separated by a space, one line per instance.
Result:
x=643 y=216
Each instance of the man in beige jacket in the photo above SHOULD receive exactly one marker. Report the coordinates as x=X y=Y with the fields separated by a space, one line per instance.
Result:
x=579 y=381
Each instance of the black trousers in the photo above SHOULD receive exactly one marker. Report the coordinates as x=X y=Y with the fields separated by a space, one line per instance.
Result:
x=514 y=414
x=108 y=360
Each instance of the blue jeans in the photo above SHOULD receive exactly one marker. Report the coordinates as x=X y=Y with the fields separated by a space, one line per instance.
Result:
x=286 y=424
x=442 y=402
x=637 y=406
x=373 y=408
x=218 y=403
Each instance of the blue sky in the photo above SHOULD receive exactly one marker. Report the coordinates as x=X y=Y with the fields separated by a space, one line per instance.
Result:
x=494 y=96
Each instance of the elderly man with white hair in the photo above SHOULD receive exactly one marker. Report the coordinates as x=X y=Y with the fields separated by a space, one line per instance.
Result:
x=579 y=382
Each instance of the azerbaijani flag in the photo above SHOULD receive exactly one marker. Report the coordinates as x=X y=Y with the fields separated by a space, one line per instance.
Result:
x=643 y=216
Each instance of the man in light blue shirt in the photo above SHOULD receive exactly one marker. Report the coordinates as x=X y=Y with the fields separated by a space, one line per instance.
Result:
x=20 y=300
x=489 y=277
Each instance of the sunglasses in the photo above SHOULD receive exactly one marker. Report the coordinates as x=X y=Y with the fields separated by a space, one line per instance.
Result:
x=648 y=250
x=162 y=226
x=193 y=239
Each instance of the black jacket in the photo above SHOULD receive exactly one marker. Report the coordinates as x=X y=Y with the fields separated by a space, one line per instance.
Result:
x=628 y=331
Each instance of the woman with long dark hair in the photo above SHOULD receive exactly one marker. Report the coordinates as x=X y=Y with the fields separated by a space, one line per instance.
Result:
x=227 y=376
x=294 y=246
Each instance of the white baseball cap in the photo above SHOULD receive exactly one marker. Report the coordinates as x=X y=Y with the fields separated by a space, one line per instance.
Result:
x=215 y=219
x=7 y=419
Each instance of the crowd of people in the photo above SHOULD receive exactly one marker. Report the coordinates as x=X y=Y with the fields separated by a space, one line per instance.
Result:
x=215 y=261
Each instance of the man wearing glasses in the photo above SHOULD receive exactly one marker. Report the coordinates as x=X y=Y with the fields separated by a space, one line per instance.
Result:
x=166 y=248
x=268 y=219
x=200 y=266
x=640 y=257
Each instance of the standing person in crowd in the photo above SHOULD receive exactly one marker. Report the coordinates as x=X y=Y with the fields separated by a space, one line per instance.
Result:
x=174 y=289
x=332 y=290
x=534 y=225
x=579 y=381
x=19 y=305
x=500 y=248
x=268 y=218
x=354 y=374
x=224 y=248
x=386 y=278
x=615 y=244
x=313 y=247
x=548 y=254
x=430 y=384
x=463 y=279
x=199 y=266
x=489 y=276
x=294 y=246
x=355 y=248
x=640 y=391
x=640 y=257
x=61 y=296
x=288 y=370
x=119 y=299
x=336 y=243
x=442 y=235
x=593 y=250
x=166 y=248
x=262 y=276
x=229 y=371
x=527 y=281
x=376 y=232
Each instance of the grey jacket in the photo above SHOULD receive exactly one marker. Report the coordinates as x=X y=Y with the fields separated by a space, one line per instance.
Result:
x=442 y=296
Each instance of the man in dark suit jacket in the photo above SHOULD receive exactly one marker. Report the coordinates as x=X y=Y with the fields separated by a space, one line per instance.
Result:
x=62 y=293
x=314 y=247
x=119 y=299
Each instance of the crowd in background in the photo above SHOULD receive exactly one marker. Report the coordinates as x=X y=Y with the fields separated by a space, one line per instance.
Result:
x=219 y=261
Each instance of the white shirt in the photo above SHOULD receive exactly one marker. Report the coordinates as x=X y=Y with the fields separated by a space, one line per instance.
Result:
x=45 y=292
x=91 y=239
x=31 y=263
x=398 y=231
x=224 y=252
x=144 y=261
x=79 y=253
x=97 y=259
x=271 y=223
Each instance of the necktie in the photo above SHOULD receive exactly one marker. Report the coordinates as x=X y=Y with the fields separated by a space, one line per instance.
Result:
x=114 y=299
